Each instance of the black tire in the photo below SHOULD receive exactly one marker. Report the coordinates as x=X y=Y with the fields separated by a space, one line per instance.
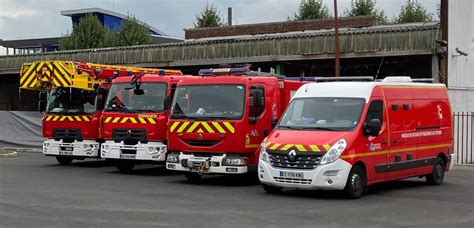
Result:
x=193 y=177
x=437 y=176
x=356 y=183
x=125 y=166
x=64 y=160
x=271 y=189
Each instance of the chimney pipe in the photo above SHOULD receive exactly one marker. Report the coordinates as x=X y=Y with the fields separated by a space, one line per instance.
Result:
x=229 y=16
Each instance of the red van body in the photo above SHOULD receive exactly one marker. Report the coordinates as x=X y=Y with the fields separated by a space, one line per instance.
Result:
x=348 y=135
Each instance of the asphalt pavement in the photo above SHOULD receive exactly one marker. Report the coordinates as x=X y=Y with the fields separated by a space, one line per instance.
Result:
x=37 y=192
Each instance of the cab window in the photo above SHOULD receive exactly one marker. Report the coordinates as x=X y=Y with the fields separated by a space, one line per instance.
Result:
x=375 y=111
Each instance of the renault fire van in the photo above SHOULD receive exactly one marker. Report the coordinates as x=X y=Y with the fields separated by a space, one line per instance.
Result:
x=348 y=135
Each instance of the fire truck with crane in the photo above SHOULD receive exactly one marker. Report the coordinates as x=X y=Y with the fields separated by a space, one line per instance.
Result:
x=135 y=119
x=71 y=98
x=219 y=119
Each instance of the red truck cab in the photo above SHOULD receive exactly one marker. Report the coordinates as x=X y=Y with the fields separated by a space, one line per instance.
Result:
x=348 y=135
x=219 y=119
x=135 y=119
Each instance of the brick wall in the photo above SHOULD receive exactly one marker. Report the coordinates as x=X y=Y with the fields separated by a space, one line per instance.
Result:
x=279 y=27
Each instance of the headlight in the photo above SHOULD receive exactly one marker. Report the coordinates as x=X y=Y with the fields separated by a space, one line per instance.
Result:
x=334 y=152
x=173 y=158
x=234 y=161
x=263 y=152
x=88 y=147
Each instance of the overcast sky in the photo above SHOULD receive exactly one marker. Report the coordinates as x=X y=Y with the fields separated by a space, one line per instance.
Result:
x=41 y=18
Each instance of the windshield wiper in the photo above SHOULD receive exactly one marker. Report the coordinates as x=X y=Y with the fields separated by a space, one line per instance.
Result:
x=318 y=128
x=290 y=127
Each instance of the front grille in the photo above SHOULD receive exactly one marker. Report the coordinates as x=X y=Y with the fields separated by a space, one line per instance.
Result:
x=201 y=142
x=67 y=135
x=129 y=136
x=299 y=162
x=292 y=180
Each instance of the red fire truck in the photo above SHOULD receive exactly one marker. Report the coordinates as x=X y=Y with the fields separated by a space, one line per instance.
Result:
x=71 y=97
x=348 y=135
x=219 y=119
x=135 y=119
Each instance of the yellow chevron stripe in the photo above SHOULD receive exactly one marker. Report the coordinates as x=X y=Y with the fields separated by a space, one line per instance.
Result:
x=62 y=118
x=55 y=118
x=229 y=126
x=133 y=120
x=78 y=118
x=108 y=119
x=286 y=147
x=327 y=146
x=116 y=120
x=218 y=127
x=208 y=128
x=70 y=118
x=32 y=76
x=183 y=126
x=193 y=126
x=60 y=77
x=30 y=68
x=251 y=146
x=66 y=72
x=48 y=118
x=152 y=121
x=300 y=147
x=173 y=126
x=314 y=148
x=86 y=118
x=142 y=120
x=200 y=130
x=124 y=120
x=267 y=144
x=276 y=145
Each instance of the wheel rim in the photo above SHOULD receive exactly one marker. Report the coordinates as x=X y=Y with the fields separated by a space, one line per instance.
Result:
x=438 y=171
x=356 y=183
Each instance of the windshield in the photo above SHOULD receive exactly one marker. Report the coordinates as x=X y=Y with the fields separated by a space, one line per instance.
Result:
x=71 y=101
x=328 y=113
x=209 y=102
x=124 y=97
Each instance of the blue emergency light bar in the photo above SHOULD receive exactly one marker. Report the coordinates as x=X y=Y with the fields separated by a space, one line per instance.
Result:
x=220 y=71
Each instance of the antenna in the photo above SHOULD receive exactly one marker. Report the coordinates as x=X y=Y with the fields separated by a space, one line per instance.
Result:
x=380 y=66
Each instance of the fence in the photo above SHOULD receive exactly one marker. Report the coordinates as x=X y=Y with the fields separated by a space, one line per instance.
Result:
x=463 y=123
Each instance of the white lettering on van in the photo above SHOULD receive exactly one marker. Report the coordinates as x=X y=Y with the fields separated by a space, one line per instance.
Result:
x=422 y=134
x=440 y=112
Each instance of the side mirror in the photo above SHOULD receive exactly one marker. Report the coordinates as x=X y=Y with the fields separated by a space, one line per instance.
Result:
x=373 y=127
x=274 y=122
x=139 y=92
x=166 y=104
x=42 y=101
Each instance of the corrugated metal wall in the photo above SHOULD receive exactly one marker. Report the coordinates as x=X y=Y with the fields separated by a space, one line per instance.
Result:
x=461 y=68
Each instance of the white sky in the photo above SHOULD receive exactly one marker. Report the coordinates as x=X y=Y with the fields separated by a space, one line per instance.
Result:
x=41 y=18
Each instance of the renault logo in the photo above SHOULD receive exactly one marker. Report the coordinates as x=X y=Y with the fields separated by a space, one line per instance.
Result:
x=200 y=136
x=292 y=155
x=129 y=133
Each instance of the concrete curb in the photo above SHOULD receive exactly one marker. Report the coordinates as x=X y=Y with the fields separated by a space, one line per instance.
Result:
x=9 y=155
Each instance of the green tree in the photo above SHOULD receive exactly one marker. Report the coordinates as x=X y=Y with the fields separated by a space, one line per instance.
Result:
x=132 y=32
x=88 y=33
x=209 y=17
x=311 y=9
x=413 y=11
x=366 y=8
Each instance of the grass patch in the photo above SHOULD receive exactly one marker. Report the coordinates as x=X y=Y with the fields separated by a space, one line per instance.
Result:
x=3 y=151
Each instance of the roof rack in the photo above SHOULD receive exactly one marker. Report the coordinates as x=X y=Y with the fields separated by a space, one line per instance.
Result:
x=336 y=79
x=406 y=79
x=243 y=71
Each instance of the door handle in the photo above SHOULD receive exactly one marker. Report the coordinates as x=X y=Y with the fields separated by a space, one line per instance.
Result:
x=384 y=142
x=395 y=141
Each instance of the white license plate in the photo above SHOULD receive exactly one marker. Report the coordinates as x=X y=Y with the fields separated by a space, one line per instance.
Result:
x=127 y=156
x=295 y=175
x=65 y=150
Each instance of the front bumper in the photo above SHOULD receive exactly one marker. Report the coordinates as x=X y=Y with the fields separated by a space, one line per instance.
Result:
x=151 y=151
x=85 y=148
x=332 y=176
x=212 y=165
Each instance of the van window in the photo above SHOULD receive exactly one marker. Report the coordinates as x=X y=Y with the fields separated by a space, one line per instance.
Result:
x=322 y=113
x=257 y=93
x=375 y=111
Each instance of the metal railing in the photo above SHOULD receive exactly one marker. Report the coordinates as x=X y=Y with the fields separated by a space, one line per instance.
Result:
x=463 y=123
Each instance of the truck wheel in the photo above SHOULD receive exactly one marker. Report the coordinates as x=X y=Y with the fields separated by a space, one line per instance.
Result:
x=192 y=177
x=124 y=166
x=63 y=160
x=271 y=189
x=437 y=176
x=356 y=183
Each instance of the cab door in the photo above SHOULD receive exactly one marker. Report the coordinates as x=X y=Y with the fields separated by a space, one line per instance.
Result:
x=376 y=144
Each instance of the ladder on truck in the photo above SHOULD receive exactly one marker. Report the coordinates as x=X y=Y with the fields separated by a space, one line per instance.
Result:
x=45 y=75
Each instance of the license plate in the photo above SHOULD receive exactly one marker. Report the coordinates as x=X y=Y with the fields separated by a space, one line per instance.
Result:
x=65 y=150
x=127 y=156
x=295 y=175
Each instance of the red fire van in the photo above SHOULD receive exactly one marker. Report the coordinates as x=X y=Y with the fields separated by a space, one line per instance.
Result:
x=348 y=135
